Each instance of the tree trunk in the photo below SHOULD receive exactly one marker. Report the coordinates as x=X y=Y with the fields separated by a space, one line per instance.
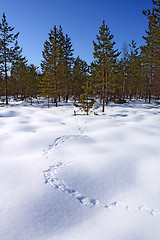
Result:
x=6 y=78
x=123 y=86
x=103 y=87
x=48 y=101
x=67 y=98
x=103 y=102
x=150 y=82
x=130 y=97
x=56 y=102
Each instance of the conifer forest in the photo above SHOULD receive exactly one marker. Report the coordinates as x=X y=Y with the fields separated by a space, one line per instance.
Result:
x=80 y=120
x=133 y=73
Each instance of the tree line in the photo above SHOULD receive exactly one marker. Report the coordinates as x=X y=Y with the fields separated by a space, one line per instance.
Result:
x=112 y=76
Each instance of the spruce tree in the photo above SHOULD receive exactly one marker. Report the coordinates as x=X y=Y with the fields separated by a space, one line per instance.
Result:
x=8 y=49
x=105 y=56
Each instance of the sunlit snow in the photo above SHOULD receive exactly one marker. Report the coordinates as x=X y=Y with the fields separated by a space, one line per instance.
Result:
x=67 y=177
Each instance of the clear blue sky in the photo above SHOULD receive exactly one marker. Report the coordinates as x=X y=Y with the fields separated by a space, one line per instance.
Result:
x=80 y=20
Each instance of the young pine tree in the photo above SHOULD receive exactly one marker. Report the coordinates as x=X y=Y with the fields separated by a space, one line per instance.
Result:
x=86 y=101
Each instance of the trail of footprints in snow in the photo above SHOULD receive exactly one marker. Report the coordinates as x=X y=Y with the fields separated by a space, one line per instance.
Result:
x=58 y=141
x=50 y=177
x=62 y=139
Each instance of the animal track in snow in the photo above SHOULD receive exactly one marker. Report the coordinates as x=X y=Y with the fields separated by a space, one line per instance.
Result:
x=50 y=177
x=80 y=128
x=58 y=141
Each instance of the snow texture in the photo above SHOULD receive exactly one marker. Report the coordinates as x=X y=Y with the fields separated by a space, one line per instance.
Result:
x=79 y=177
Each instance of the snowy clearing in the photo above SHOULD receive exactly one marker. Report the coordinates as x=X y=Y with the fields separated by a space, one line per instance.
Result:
x=66 y=177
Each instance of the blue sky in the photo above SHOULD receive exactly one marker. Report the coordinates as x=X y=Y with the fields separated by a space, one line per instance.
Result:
x=80 y=20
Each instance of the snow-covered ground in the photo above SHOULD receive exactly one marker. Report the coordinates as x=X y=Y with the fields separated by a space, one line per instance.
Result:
x=66 y=177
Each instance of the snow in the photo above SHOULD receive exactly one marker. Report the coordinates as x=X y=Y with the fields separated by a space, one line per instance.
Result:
x=79 y=177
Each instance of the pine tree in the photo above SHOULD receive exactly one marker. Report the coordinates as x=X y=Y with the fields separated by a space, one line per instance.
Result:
x=18 y=79
x=86 y=101
x=151 y=49
x=68 y=56
x=61 y=67
x=116 y=84
x=124 y=70
x=65 y=61
x=49 y=84
x=134 y=70
x=19 y=76
x=2 y=90
x=95 y=76
x=46 y=87
x=105 y=56
x=79 y=76
x=32 y=81
x=56 y=66
x=8 y=49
